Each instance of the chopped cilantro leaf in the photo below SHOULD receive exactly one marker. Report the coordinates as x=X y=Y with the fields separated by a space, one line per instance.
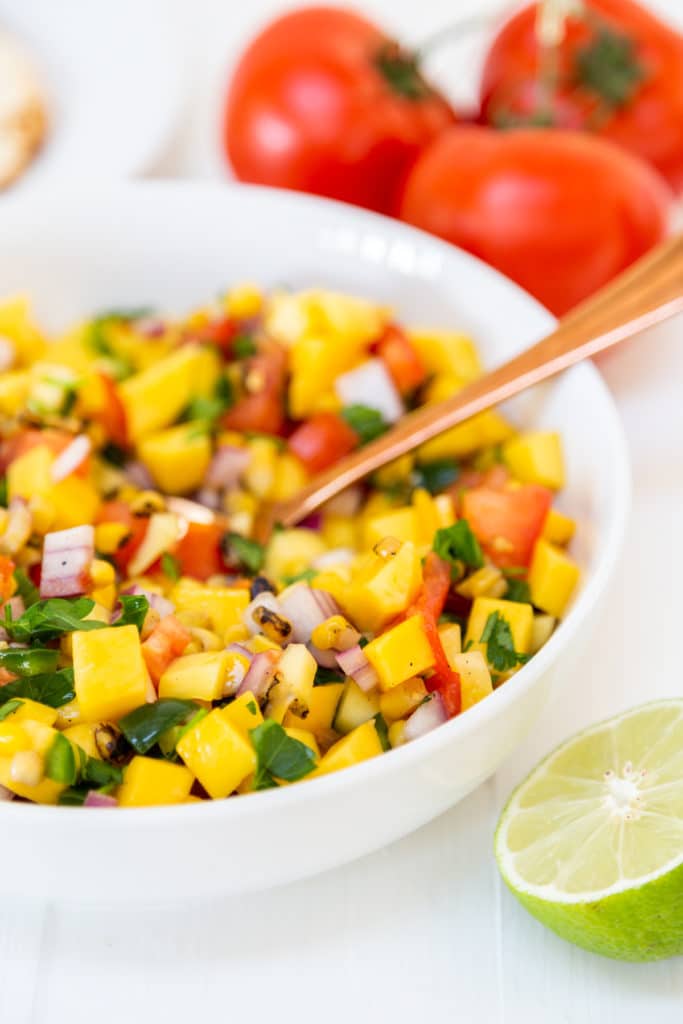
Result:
x=457 y=544
x=306 y=574
x=243 y=346
x=53 y=688
x=323 y=676
x=25 y=589
x=367 y=423
x=436 y=476
x=248 y=553
x=500 y=648
x=518 y=590
x=51 y=619
x=3 y=491
x=134 y=609
x=170 y=566
x=9 y=708
x=382 y=731
x=279 y=756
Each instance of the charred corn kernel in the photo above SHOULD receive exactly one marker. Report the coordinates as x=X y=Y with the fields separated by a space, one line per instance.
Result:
x=83 y=735
x=335 y=632
x=401 y=523
x=397 y=734
x=154 y=398
x=31 y=709
x=400 y=653
x=288 y=479
x=13 y=737
x=146 y=503
x=451 y=640
x=475 y=678
x=402 y=699
x=293 y=682
x=558 y=528
x=322 y=707
x=110 y=676
x=381 y=589
x=357 y=746
x=542 y=631
x=304 y=736
x=243 y=301
x=519 y=617
x=217 y=754
x=177 y=457
x=43 y=513
x=447 y=352
x=148 y=781
x=196 y=676
x=243 y=713
x=259 y=475
x=102 y=573
x=485 y=582
x=206 y=638
x=291 y=551
x=553 y=577
x=536 y=458
x=26 y=768
x=109 y=537
x=339 y=531
x=224 y=607
x=395 y=472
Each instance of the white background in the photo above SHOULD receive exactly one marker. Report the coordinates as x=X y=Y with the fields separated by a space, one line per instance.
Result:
x=422 y=930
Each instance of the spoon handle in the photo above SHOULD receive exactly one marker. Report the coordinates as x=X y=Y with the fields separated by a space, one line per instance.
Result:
x=647 y=293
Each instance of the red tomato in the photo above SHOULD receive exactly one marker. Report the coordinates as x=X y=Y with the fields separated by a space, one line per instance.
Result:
x=558 y=212
x=322 y=440
x=322 y=101
x=166 y=642
x=54 y=439
x=402 y=360
x=221 y=332
x=507 y=524
x=262 y=408
x=430 y=602
x=199 y=551
x=618 y=72
x=119 y=512
x=112 y=415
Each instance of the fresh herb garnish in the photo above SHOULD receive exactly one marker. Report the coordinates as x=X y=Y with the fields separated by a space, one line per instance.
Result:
x=143 y=727
x=170 y=566
x=49 y=620
x=305 y=574
x=60 y=761
x=54 y=688
x=3 y=491
x=9 y=708
x=279 y=756
x=251 y=707
x=243 y=346
x=323 y=676
x=436 y=476
x=367 y=423
x=101 y=773
x=135 y=608
x=28 y=661
x=248 y=553
x=209 y=408
x=457 y=544
x=518 y=590
x=25 y=589
x=382 y=731
x=500 y=648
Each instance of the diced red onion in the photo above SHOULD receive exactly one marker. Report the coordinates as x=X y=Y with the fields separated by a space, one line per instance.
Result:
x=18 y=528
x=68 y=461
x=240 y=649
x=425 y=718
x=337 y=556
x=208 y=497
x=312 y=522
x=346 y=503
x=5 y=794
x=227 y=466
x=370 y=384
x=158 y=602
x=327 y=604
x=265 y=600
x=325 y=658
x=95 y=799
x=150 y=326
x=7 y=353
x=67 y=559
x=300 y=604
x=354 y=663
x=260 y=674
x=138 y=475
x=191 y=511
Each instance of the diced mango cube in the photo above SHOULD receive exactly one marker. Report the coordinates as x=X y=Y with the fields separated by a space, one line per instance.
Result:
x=196 y=676
x=553 y=576
x=450 y=636
x=289 y=477
x=29 y=474
x=110 y=676
x=149 y=781
x=322 y=707
x=16 y=324
x=400 y=653
x=177 y=458
x=304 y=736
x=83 y=735
x=402 y=699
x=382 y=589
x=536 y=458
x=359 y=745
x=475 y=678
x=485 y=429
x=447 y=352
x=401 y=523
x=14 y=390
x=519 y=617
x=291 y=551
x=396 y=733
x=218 y=754
x=38 y=737
x=154 y=398
x=75 y=502
x=31 y=709
x=222 y=606
x=243 y=713
x=558 y=528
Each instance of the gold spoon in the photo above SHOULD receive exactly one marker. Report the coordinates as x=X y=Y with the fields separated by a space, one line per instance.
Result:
x=648 y=292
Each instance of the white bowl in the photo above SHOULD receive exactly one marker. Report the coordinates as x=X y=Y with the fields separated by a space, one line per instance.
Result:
x=174 y=245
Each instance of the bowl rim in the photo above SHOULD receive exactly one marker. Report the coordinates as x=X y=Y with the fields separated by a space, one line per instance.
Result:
x=481 y=713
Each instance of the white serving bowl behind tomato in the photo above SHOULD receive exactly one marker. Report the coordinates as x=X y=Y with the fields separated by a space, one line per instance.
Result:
x=171 y=245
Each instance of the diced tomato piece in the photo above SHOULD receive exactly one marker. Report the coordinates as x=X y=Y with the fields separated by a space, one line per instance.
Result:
x=7 y=584
x=322 y=440
x=220 y=332
x=402 y=359
x=508 y=522
x=263 y=408
x=119 y=512
x=199 y=552
x=166 y=642
x=112 y=416
x=429 y=604
x=54 y=439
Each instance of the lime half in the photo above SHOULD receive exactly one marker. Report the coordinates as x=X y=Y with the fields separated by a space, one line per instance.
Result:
x=592 y=842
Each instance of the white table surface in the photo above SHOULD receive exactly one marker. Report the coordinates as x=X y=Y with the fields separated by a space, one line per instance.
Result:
x=422 y=930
